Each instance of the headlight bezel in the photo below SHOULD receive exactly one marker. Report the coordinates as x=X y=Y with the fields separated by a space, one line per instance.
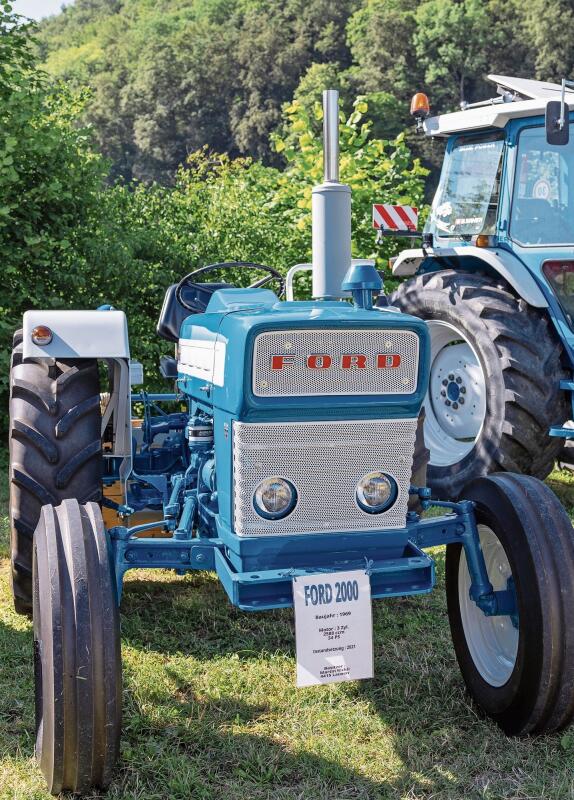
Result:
x=381 y=507
x=274 y=515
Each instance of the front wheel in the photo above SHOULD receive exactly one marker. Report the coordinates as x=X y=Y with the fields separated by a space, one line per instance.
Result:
x=519 y=669
x=77 y=664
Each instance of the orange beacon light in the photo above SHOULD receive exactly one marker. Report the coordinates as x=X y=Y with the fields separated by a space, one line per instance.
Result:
x=420 y=106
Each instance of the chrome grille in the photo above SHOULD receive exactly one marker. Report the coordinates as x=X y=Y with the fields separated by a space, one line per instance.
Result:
x=324 y=461
x=298 y=380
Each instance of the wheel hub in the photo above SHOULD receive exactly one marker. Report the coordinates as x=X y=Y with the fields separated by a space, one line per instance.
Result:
x=492 y=641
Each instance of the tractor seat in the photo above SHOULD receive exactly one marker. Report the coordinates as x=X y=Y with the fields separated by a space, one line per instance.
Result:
x=168 y=368
x=173 y=313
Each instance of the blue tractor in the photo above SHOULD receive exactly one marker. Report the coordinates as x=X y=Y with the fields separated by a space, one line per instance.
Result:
x=294 y=452
x=494 y=280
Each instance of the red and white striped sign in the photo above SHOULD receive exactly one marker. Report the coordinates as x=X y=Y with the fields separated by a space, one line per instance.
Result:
x=395 y=218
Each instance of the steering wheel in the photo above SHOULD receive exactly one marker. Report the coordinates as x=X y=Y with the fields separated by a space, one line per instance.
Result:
x=198 y=307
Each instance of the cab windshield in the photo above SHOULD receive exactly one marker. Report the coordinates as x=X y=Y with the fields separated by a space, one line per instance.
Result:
x=466 y=200
x=543 y=199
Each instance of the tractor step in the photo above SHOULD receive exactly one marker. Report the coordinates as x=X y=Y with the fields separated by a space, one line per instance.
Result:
x=413 y=573
x=562 y=431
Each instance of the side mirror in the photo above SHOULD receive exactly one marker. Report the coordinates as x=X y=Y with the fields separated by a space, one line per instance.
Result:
x=557 y=122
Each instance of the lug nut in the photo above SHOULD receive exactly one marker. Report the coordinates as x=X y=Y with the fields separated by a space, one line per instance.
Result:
x=445 y=382
x=443 y=393
x=455 y=405
x=447 y=402
x=458 y=379
x=461 y=400
x=463 y=390
x=451 y=377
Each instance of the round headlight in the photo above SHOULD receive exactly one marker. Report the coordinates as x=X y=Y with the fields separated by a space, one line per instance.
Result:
x=376 y=492
x=274 y=498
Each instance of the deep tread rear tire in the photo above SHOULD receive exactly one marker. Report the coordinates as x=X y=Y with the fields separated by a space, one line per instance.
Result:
x=77 y=659
x=521 y=358
x=55 y=449
x=537 y=536
x=420 y=463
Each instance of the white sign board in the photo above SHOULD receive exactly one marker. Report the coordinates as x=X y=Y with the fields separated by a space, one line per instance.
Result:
x=333 y=627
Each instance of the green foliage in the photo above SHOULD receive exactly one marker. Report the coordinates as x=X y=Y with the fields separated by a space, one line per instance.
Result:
x=169 y=77
x=49 y=183
x=451 y=42
x=551 y=30
x=375 y=169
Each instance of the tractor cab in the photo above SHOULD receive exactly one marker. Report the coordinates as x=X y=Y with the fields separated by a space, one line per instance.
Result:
x=539 y=189
x=495 y=282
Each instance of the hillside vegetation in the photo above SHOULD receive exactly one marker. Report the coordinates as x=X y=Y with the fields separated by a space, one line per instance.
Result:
x=140 y=139
x=170 y=76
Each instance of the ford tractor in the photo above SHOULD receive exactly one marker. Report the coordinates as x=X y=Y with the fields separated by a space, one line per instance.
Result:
x=494 y=280
x=290 y=453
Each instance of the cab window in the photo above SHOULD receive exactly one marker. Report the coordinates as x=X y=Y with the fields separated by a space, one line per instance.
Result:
x=543 y=195
x=466 y=200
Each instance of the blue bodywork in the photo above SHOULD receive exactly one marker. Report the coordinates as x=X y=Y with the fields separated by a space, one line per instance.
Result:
x=527 y=258
x=196 y=493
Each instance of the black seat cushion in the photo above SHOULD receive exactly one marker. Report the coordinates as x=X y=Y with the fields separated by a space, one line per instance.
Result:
x=173 y=313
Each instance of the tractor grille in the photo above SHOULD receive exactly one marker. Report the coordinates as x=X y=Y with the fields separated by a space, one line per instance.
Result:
x=324 y=461
x=297 y=379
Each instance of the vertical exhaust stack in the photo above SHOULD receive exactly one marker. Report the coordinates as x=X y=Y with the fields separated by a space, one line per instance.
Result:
x=331 y=212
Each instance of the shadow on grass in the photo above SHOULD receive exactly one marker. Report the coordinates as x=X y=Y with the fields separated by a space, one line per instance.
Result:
x=193 y=616
x=199 y=753
x=16 y=691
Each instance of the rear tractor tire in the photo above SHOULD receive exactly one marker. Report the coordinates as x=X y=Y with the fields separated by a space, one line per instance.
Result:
x=55 y=449
x=519 y=669
x=496 y=366
x=77 y=660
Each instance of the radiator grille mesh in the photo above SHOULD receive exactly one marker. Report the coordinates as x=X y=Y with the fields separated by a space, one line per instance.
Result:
x=322 y=460
x=298 y=380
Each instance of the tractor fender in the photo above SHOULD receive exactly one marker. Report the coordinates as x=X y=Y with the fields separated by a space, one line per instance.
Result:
x=505 y=264
x=78 y=334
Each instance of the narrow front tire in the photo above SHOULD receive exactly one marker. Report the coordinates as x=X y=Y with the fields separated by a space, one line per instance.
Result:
x=77 y=663
x=519 y=671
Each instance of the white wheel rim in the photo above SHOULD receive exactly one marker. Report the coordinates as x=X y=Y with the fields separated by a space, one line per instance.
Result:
x=492 y=641
x=456 y=400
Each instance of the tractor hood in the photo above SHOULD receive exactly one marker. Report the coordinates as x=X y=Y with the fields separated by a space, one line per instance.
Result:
x=259 y=358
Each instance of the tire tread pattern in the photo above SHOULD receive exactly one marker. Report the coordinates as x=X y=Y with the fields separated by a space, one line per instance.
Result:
x=55 y=448
x=76 y=619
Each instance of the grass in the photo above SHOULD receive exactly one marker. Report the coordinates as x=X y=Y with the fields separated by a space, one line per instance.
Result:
x=211 y=711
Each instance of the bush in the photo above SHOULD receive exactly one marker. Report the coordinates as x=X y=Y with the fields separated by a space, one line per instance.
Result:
x=68 y=241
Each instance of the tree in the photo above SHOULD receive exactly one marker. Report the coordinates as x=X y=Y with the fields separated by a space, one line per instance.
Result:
x=380 y=35
x=550 y=28
x=452 y=44
x=278 y=42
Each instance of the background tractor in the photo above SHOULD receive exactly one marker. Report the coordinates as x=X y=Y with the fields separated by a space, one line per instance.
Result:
x=292 y=451
x=494 y=281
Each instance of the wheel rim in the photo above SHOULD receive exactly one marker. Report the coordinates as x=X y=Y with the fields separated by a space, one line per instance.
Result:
x=456 y=400
x=492 y=641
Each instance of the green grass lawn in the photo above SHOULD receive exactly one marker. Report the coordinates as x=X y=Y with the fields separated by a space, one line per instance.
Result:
x=211 y=710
